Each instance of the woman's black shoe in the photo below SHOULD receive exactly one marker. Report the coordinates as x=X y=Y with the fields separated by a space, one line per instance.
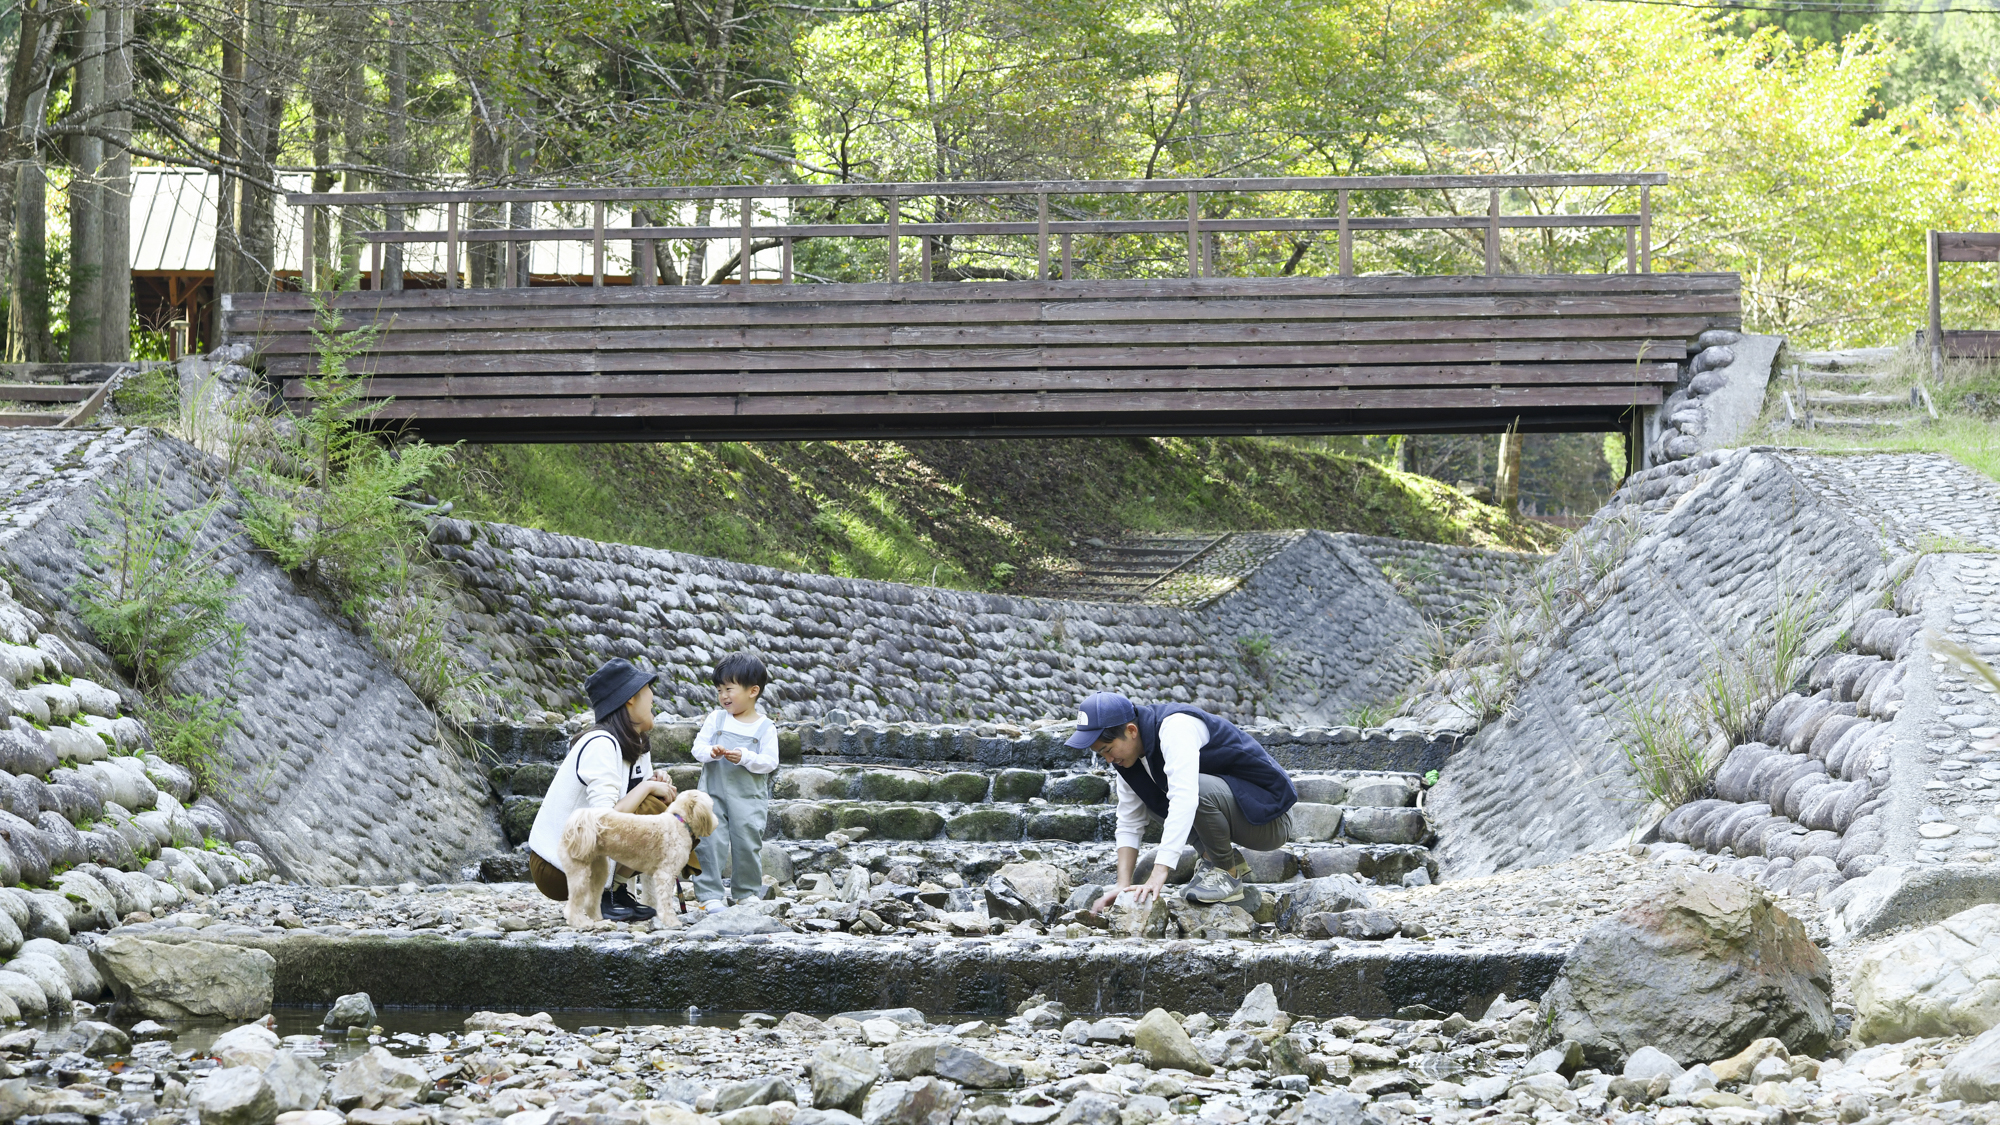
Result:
x=618 y=905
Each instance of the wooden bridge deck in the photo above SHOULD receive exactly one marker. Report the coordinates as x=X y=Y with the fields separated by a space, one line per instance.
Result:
x=1196 y=355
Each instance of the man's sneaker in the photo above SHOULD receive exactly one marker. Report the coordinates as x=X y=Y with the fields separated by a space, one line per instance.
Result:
x=618 y=905
x=1213 y=883
x=714 y=904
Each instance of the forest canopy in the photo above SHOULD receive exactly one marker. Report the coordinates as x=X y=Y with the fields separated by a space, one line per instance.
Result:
x=1808 y=152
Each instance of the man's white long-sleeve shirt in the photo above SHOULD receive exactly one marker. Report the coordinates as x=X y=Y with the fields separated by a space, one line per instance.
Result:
x=1181 y=738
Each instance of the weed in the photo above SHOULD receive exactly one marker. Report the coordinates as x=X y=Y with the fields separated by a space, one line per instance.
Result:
x=1368 y=715
x=412 y=625
x=1799 y=615
x=156 y=596
x=1666 y=747
x=1258 y=655
x=1964 y=656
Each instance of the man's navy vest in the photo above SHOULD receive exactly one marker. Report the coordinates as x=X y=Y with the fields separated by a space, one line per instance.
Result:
x=1263 y=790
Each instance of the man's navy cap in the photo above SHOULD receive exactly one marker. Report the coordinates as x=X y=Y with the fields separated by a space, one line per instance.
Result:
x=1099 y=713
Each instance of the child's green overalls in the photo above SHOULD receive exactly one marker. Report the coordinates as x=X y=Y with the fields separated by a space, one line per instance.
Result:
x=742 y=802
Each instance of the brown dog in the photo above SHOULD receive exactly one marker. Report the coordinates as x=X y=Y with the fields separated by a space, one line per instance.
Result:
x=656 y=846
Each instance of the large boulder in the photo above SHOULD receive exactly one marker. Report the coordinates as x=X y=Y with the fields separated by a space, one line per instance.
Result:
x=1699 y=970
x=1167 y=1045
x=234 y=1095
x=1941 y=980
x=188 y=980
x=842 y=1074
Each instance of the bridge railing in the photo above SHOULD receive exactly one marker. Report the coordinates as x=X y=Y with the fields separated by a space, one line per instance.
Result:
x=464 y=225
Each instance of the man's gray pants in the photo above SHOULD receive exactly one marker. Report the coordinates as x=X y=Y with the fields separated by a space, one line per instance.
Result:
x=1219 y=824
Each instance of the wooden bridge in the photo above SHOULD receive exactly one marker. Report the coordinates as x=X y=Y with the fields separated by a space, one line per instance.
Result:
x=1074 y=325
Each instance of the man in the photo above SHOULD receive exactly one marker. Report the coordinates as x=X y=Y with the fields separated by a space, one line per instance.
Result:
x=1190 y=771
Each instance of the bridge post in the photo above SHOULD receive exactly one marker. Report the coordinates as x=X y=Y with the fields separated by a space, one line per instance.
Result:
x=451 y=245
x=1042 y=236
x=597 y=244
x=1194 y=234
x=895 y=238
x=1492 y=231
x=743 y=250
x=1645 y=228
x=1346 y=239
x=1934 y=339
x=307 y=250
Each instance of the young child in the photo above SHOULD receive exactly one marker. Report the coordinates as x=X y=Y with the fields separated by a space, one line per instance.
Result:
x=738 y=749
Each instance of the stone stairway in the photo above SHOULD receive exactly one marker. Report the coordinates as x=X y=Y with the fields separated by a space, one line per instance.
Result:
x=1846 y=389
x=1188 y=570
x=953 y=821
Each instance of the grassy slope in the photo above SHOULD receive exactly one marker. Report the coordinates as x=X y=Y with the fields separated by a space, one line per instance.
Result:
x=1967 y=428
x=967 y=514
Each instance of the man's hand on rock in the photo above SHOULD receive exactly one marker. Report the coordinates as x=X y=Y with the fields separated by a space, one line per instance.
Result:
x=1142 y=893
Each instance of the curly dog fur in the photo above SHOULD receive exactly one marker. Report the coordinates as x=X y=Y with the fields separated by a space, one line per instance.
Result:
x=656 y=846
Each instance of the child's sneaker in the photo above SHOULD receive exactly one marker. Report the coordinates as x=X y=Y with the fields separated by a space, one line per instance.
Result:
x=714 y=904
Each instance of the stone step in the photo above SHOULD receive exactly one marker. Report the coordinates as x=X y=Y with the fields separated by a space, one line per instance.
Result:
x=993 y=747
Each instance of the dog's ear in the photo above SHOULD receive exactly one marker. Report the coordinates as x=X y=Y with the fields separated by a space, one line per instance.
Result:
x=700 y=815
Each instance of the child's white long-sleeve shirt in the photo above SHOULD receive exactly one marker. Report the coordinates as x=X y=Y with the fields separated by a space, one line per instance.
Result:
x=763 y=759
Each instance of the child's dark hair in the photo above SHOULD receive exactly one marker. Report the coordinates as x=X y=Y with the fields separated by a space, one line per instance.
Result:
x=743 y=670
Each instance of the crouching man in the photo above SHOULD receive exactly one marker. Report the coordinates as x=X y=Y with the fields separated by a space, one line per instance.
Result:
x=1189 y=771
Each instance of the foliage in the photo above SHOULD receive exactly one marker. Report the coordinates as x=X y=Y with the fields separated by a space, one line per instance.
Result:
x=149 y=396
x=156 y=595
x=964 y=510
x=331 y=507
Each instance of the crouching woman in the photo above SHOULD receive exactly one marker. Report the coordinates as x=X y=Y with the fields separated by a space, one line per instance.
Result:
x=607 y=767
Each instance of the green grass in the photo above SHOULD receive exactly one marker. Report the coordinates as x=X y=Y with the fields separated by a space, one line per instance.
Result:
x=1001 y=514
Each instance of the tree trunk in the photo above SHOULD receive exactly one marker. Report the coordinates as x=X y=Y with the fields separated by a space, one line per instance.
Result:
x=1507 y=478
x=229 y=145
x=25 y=76
x=86 y=204
x=114 y=337
x=29 y=336
x=397 y=157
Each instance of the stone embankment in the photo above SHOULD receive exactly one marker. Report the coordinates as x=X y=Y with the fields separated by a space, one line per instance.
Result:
x=1313 y=632
x=1696 y=566
x=336 y=769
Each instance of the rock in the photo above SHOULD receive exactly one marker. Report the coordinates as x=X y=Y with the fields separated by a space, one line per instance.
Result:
x=985 y=826
x=1565 y=1059
x=909 y=1057
x=1973 y=1074
x=1124 y=919
x=24 y=995
x=1338 y=1108
x=776 y=863
x=377 y=1079
x=738 y=921
x=1259 y=1008
x=1219 y=922
x=296 y=1081
x=798 y=1023
x=1288 y=1055
x=252 y=1045
x=311 y=1117
x=756 y=1091
x=88 y=1037
x=842 y=1075
x=821 y=1117
x=1648 y=1061
x=905 y=1017
x=1040 y=885
x=1737 y=1067
x=85 y=982
x=1233 y=1050
x=1386 y=826
x=355 y=1009
x=1363 y=925
x=1167 y=1046
x=1077 y=789
x=191 y=980
x=1090 y=1108
x=47 y=973
x=1941 y=980
x=925 y=1101
x=880 y=1032
x=1699 y=971
x=1014 y=786
x=1328 y=894
x=234 y=1095
x=970 y=1068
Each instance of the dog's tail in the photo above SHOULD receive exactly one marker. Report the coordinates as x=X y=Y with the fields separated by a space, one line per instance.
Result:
x=579 y=837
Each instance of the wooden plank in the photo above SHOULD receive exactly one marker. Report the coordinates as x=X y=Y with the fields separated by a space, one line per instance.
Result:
x=773 y=406
x=44 y=392
x=1081 y=290
x=1968 y=246
x=970 y=188
x=1048 y=336
x=1971 y=344
x=474 y=386
x=26 y=419
x=774 y=359
x=1021 y=312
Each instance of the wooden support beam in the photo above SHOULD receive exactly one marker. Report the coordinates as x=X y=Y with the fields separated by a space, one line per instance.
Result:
x=895 y=207
x=1492 y=232
x=743 y=245
x=1042 y=236
x=1194 y=233
x=1346 y=239
x=451 y=246
x=597 y=244
x=1646 y=228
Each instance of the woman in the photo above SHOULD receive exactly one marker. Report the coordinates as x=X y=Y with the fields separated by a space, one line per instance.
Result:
x=607 y=768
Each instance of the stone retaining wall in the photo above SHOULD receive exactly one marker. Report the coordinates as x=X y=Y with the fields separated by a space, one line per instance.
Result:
x=1315 y=631
x=337 y=770
x=1692 y=554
